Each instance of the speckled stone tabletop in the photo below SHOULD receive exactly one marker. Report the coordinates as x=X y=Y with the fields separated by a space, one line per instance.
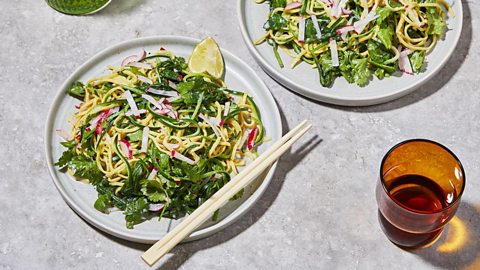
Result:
x=320 y=210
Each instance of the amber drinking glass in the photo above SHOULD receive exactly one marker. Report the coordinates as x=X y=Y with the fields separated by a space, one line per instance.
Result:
x=419 y=190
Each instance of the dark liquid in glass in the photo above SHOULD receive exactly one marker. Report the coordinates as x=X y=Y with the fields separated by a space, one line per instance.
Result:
x=419 y=194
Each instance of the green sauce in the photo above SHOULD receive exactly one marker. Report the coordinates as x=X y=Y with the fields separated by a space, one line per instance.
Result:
x=77 y=7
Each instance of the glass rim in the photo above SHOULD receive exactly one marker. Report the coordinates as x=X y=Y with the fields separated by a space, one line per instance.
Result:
x=426 y=141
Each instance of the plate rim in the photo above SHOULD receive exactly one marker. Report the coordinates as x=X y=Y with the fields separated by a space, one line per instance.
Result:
x=334 y=99
x=240 y=211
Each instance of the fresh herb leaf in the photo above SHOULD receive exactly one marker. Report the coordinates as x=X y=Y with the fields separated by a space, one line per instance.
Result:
x=417 y=59
x=136 y=212
x=77 y=90
x=86 y=168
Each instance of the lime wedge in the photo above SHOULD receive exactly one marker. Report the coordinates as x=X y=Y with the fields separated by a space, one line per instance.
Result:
x=206 y=57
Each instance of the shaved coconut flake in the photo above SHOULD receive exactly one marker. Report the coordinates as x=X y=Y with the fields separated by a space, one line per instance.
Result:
x=335 y=11
x=125 y=147
x=154 y=102
x=334 y=52
x=144 y=79
x=293 y=5
x=145 y=132
x=139 y=112
x=181 y=157
x=316 y=26
x=301 y=30
x=244 y=138
x=361 y=24
x=227 y=108
x=207 y=120
x=140 y=65
x=340 y=7
x=152 y=174
x=131 y=102
x=155 y=207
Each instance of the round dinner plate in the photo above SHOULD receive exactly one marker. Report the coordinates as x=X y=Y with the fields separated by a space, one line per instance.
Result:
x=304 y=80
x=81 y=197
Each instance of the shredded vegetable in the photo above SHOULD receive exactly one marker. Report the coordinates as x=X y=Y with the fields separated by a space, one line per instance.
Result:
x=157 y=140
x=363 y=35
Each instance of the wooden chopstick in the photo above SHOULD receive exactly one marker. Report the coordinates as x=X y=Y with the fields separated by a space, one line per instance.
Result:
x=194 y=220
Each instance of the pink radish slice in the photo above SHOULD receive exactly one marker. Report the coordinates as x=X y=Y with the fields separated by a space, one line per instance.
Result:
x=125 y=147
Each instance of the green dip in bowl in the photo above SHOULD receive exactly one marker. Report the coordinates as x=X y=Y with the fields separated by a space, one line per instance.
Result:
x=78 y=7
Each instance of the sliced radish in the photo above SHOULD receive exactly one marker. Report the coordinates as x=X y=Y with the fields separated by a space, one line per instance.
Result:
x=346 y=11
x=163 y=92
x=301 y=30
x=152 y=174
x=145 y=132
x=404 y=62
x=293 y=5
x=134 y=58
x=181 y=157
x=316 y=26
x=155 y=207
x=144 y=79
x=172 y=99
x=125 y=147
x=227 y=108
x=343 y=31
x=334 y=53
x=172 y=85
x=251 y=138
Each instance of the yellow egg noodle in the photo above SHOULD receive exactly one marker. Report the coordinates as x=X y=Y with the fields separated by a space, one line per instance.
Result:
x=159 y=136
x=308 y=29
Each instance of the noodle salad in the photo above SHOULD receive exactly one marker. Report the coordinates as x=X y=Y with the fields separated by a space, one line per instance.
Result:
x=156 y=139
x=356 y=39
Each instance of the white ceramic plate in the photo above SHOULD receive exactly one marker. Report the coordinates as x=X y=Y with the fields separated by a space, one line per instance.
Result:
x=304 y=80
x=81 y=196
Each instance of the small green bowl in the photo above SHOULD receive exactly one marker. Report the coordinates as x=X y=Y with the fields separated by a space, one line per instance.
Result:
x=78 y=7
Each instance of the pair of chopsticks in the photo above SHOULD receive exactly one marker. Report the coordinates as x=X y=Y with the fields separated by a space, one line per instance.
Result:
x=245 y=177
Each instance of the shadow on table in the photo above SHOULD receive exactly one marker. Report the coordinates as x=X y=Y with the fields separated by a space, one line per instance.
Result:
x=459 y=245
x=120 y=6
x=183 y=252
x=434 y=84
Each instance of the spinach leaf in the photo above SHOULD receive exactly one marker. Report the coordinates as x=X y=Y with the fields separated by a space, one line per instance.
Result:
x=275 y=22
x=77 y=91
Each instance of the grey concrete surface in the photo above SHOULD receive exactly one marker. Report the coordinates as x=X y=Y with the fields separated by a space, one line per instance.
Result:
x=320 y=210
